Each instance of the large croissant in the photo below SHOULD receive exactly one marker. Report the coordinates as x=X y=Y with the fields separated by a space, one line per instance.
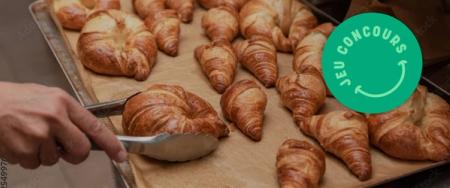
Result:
x=236 y=4
x=145 y=7
x=275 y=19
x=165 y=25
x=303 y=93
x=221 y=23
x=117 y=43
x=185 y=9
x=170 y=109
x=417 y=130
x=300 y=164
x=344 y=134
x=218 y=62
x=258 y=55
x=244 y=103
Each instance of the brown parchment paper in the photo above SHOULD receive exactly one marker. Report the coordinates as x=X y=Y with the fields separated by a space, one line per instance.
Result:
x=238 y=162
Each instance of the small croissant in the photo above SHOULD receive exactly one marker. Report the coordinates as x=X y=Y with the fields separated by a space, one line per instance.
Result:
x=221 y=23
x=145 y=7
x=259 y=56
x=244 y=103
x=165 y=25
x=218 y=62
x=185 y=9
x=344 y=134
x=300 y=164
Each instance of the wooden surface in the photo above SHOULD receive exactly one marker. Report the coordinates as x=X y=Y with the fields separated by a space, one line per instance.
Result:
x=238 y=162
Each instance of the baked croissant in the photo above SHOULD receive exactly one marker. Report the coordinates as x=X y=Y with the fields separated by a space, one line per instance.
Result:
x=417 y=130
x=185 y=9
x=303 y=93
x=208 y=4
x=300 y=164
x=259 y=56
x=221 y=23
x=244 y=103
x=275 y=19
x=145 y=7
x=170 y=109
x=309 y=51
x=344 y=134
x=218 y=62
x=117 y=43
x=73 y=14
x=165 y=25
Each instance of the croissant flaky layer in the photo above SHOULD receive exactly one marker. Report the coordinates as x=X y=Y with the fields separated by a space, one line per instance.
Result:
x=170 y=109
x=221 y=23
x=117 y=43
x=299 y=164
x=218 y=62
x=145 y=7
x=185 y=9
x=344 y=134
x=208 y=4
x=244 y=103
x=165 y=25
x=417 y=130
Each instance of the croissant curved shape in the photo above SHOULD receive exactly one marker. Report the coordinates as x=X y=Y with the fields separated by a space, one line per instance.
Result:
x=170 y=109
x=344 y=134
x=73 y=14
x=165 y=25
x=209 y=4
x=221 y=23
x=218 y=62
x=275 y=19
x=118 y=44
x=417 y=130
x=144 y=7
x=185 y=9
x=259 y=56
x=244 y=103
x=299 y=164
x=308 y=52
x=303 y=93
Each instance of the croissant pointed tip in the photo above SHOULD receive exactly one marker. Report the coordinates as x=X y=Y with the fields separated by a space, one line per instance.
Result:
x=363 y=175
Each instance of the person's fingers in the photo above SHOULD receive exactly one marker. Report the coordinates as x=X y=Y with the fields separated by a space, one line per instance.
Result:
x=27 y=154
x=49 y=154
x=75 y=145
x=98 y=133
x=7 y=155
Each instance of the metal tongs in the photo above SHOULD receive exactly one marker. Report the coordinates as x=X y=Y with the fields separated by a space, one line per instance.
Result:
x=167 y=147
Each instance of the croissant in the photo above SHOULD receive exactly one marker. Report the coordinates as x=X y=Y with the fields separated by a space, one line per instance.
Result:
x=221 y=23
x=344 y=134
x=73 y=14
x=309 y=51
x=165 y=25
x=208 y=4
x=417 y=130
x=274 y=19
x=258 y=55
x=170 y=109
x=218 y=62
x=145 y=7
x=117 y=43
x=244 y=103
x=303 y=93
x=300 y=164
x=185 y=9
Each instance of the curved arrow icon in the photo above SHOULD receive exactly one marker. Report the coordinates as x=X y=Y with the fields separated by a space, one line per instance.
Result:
x=358 y=88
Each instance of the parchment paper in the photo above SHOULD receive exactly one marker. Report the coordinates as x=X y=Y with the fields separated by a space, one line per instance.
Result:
x=238 y=162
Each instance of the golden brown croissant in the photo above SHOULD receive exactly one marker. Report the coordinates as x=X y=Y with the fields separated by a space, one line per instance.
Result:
x=258 y=55
x=244 y=103
x=221 y=23
x=309 y=51
x=185 y=9
x=145 y=7
x=165 y=25
x=236 y=4
x=116 y=43
x=218 y=62
x=344 y=134
x=417 y=130
x=300 y=164
x=73 y=14
x=275 y=19
x=303 y=93
x=170 y=109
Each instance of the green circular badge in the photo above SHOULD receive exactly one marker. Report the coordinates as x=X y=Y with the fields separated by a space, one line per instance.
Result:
x=372 y=63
